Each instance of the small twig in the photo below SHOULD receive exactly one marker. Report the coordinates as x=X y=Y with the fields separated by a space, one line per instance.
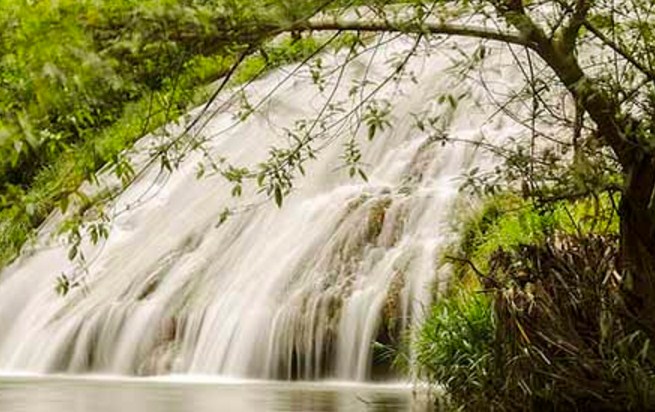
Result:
x=477 y=271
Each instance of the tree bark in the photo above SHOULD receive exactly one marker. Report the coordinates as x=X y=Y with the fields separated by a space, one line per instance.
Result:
x=637 y=220
x=637 y=247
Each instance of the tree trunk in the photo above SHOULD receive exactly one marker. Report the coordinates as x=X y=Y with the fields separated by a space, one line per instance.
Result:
x=637 y=248
x=637 y=211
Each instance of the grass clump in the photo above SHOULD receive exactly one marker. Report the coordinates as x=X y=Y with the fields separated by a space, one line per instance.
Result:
x=454 y=346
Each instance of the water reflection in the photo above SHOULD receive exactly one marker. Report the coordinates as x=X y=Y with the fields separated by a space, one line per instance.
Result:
x=77 y=395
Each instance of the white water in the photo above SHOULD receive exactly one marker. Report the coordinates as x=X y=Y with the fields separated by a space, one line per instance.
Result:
x=272 y=293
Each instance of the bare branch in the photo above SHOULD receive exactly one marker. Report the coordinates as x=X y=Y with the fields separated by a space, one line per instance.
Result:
x=618 y=49
x=488 y=281
x=410 y=28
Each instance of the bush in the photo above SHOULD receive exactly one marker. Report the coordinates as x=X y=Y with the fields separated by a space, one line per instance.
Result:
x=454 y=346
x=563 y=333
x=551 y=333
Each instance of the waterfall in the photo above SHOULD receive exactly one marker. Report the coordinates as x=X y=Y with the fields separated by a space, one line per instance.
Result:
x=297 y=292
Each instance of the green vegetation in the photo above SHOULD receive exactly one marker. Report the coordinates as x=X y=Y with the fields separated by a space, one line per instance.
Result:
x=118 y=70
x=507 y=221
x=454 y=347
x=534 y=319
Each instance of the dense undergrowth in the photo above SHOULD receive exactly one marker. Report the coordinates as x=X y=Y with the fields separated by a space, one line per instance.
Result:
x=534 y=318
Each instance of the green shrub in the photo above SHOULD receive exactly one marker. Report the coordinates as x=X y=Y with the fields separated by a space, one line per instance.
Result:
x=534 y=320
x=506 y=221
x=454 y=346
x=549 y=333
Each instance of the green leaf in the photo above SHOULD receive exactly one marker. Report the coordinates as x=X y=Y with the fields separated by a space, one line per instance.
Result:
x=452 y=101
x=30 y=209
x=63 y=203
x=225 y=214
x=63 y=285
x=278 y=196
x=72 y=252
x=260 y=179
x=201 y=171
x=371 y=131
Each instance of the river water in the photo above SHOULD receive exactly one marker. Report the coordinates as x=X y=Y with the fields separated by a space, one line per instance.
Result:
x=77 y=394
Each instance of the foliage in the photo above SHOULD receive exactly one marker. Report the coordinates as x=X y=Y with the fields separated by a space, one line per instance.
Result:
x=548 y=331
x=114 y=54
x=454 y=345
x=505 y=221
x=546 y=294
x=108 y=75
x=563 y=333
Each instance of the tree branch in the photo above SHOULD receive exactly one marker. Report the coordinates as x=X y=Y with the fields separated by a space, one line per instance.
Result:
x=598 y=104
x=409 y=27
x=618 y=49
x=528 y=34
x=570 y=32
x=488 y=281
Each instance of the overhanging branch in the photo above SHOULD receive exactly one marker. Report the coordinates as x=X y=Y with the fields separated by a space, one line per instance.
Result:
x=524 y=32
x=410 y=28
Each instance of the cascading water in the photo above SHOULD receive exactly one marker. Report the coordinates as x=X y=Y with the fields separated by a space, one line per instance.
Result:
x=300 y=291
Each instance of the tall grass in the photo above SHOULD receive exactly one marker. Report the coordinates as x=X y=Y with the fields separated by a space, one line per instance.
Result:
x=454 y=346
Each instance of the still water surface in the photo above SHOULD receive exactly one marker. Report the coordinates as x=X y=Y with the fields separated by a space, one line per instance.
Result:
x=66 y=394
